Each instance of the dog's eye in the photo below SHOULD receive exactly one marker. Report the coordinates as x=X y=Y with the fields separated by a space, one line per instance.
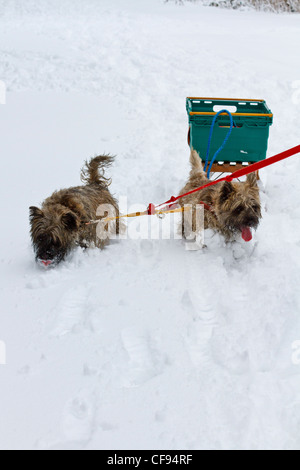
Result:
x=238 y=210
x=255 y=207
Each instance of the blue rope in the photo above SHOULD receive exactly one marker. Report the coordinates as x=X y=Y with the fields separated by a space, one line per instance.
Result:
x=210 y=137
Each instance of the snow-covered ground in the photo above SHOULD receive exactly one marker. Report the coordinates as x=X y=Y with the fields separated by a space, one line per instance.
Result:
x=145 y=345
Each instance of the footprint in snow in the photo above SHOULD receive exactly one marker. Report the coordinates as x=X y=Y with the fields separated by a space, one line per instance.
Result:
x=70 y=313
x=142 y=365
x=79 y=417
x=199 y=304
x=197 y=340
x=197 y=343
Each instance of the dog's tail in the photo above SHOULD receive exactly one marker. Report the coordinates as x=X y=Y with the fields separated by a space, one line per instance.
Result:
x=94 y=170
x=196 y=163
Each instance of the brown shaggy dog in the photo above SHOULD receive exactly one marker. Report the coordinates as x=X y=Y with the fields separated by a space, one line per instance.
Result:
x=235 y=207
x=60 y=224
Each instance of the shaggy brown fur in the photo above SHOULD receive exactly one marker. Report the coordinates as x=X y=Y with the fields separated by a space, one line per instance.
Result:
x=236 y=206
x=60 y=225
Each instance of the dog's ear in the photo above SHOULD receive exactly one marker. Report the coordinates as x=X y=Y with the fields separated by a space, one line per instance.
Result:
x=70 y=221
x=72 y=203
x=35 y=213
x=226 y=191
x=252 y=180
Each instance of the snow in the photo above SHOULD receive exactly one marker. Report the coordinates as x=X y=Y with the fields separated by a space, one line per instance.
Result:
x=145 y=345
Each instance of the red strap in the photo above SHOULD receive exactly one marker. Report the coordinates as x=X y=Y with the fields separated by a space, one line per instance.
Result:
x=151 y=209
x=264 y=163
x=208 y=207
x=239 y=173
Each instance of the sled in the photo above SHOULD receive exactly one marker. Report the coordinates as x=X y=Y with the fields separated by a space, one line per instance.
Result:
x=248 y=141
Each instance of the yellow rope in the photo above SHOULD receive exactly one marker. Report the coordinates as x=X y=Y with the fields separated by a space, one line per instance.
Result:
x=137 y=214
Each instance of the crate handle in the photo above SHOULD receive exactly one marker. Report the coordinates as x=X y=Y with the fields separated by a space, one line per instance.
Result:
x=231 y=109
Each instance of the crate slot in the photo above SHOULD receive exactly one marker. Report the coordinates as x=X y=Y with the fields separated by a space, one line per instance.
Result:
x=220 y=107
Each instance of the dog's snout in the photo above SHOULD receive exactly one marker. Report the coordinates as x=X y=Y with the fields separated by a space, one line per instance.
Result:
x=46 y=255
x=251 y=221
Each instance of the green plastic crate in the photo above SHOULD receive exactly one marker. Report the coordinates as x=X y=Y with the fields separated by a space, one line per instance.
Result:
x=248 y=141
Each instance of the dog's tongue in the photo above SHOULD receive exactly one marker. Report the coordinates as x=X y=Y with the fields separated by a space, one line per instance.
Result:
x=46 y=263
x=246 y=234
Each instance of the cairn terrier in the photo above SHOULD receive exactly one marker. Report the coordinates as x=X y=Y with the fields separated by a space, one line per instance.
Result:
x=232 y=209
x=61 y=223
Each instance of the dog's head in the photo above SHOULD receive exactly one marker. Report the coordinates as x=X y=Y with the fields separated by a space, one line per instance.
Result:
x=238 y=206
x=53 y=232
